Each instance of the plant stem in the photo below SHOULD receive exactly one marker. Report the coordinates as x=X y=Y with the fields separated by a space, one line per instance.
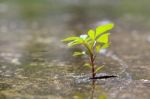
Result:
x=93 y=65
x=92 y=59
x=92 y=89
x=93 y=56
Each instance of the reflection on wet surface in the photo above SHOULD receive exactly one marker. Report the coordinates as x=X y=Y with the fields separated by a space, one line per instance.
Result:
x=35 y=64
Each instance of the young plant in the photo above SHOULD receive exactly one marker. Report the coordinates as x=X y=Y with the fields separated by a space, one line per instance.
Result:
x=93 y=42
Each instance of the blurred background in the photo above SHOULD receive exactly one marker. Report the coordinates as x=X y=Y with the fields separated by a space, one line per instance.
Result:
x=35 y=64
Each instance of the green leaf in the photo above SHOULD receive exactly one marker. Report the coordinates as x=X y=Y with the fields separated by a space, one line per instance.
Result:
x=87 y=40
x=87 y=65
x=103 y=38
x=98 y=69
x=98 y=47
x=78 y=53
x=91 y=34
x=103 y=28
x=70 y=39
x=73 y=43
x=106 y=45
x=89 y=43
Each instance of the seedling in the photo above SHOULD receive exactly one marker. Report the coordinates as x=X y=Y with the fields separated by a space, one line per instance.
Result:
x=93 y=42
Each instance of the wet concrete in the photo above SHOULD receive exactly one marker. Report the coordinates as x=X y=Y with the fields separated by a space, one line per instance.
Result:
x=35 y=64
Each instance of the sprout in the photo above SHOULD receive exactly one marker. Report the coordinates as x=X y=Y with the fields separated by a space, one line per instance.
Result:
x=93 y=42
